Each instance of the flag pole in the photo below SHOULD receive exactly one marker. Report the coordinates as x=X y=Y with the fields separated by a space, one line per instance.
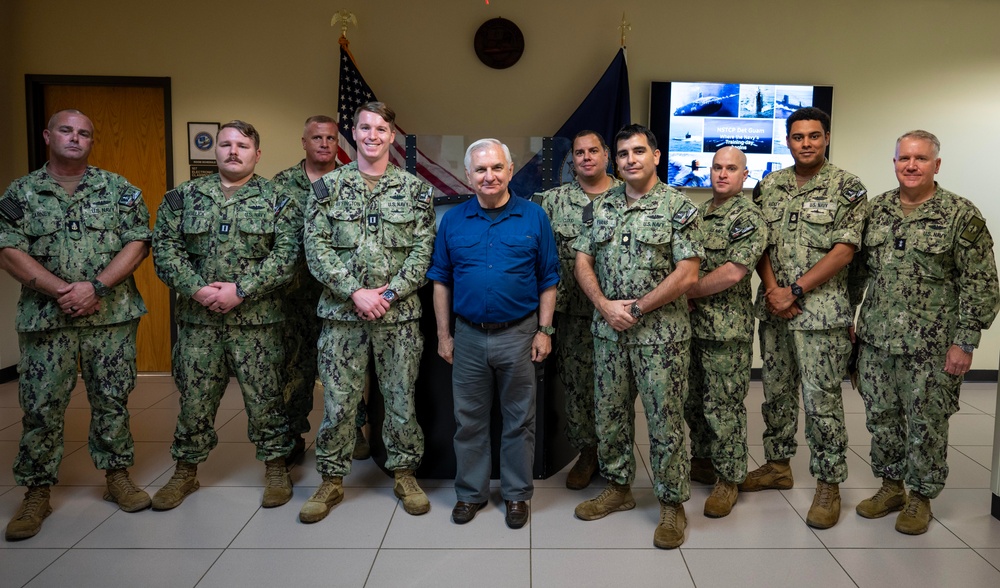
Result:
x=623 y=27
x=346 y=18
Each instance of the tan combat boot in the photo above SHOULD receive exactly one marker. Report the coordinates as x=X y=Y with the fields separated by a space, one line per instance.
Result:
x=583 y=470
x=916 y=517
x=277 y=483
x=27 y=521
x=890 y=497
x=825 y=510
x=720 y=502
x=328 y=495
x=670 y=532
x=362 y=450
x=702 y=470
x=773 y=475
x=182 y=483
x=614 y=498
x=122 y=491
x=406 y=489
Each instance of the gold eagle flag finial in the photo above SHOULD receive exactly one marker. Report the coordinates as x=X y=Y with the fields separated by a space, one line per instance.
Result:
x=346 y=18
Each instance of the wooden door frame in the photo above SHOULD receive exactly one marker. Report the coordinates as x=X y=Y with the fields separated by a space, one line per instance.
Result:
x=34 y=89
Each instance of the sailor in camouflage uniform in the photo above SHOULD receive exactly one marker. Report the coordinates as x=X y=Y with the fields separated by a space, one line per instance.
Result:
x=932 y=289
x=302 y=327
x=227 y=243
x=574 y=342
x=369 y=236
x=635 y=262
x=815 y=214
x=72 y=235
x=734 y=235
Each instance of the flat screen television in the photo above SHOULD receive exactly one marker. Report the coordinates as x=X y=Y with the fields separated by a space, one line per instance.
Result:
x=691 y=120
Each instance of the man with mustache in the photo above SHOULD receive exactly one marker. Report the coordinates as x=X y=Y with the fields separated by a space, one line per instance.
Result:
x=932 y=290
x=721 y=304
x=575 y=343
x=227 y=243
x=815 y=214
x=369 y=232
x=635 y=262
x=72 y=235
x=319 y=140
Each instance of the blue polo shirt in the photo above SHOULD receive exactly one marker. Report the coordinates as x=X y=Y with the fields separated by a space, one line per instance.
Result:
x=496 y=268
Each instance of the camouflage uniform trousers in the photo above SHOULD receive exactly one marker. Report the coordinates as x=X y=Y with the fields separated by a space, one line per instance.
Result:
x=301 y=333
x=203 y=358
x=714 y=410
x=344 y=349
x=659 y=375
x=908 y=401
x=106 y=355
x=575 y=353
x=818 y=361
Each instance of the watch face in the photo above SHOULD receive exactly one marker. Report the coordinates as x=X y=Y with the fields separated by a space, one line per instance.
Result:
x=389 y=295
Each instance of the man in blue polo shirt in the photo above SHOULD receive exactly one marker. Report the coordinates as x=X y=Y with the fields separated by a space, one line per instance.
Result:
x=495 y=266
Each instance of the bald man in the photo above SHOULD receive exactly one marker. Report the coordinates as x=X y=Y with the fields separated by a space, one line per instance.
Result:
x=721 y=306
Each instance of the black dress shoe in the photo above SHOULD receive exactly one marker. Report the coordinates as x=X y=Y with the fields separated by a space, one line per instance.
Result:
x=517 y=513
x=465 y=511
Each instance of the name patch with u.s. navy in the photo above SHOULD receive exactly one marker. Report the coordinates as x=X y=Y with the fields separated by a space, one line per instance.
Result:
x=740 y=229
x=685 y=215
x=653 y=221
x=972 y=232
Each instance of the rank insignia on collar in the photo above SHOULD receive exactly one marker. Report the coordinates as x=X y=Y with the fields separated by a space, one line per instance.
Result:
x=899 y=244
x=793 y=217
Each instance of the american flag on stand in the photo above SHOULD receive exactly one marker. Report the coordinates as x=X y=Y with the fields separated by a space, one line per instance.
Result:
x=354 y=92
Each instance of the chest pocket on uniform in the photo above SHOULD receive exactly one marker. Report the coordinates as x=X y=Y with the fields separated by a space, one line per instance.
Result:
x=817 y=225
x=345 y=224
x=773 y=216
x=566 y=234
x=652 y=247
x=398 y=228
x=930 y=254
x=522 y=248
x=102 y=227
x=42 y=232
x=715 y=251
x=197 y=240
x=874 y=246
x=256 y=233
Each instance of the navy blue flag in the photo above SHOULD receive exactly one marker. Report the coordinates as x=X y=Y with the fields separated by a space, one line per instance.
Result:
x=605 y=110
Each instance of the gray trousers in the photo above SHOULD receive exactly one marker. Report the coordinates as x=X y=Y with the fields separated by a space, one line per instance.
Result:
x=484 y=361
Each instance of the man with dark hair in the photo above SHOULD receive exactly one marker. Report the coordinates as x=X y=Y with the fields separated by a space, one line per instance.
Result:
x=932 y=290
x=227 y=243
x=369 y=233
x=319 y=140
x=721 y=305
x=72 y=235
x=574 y=342
x=635 y=262
x=815 y=214
x=495 y=266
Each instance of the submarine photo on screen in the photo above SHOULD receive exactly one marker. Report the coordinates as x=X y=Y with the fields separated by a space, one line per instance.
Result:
x=691 y=120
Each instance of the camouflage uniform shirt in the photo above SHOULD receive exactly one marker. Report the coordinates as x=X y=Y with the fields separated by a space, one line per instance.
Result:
x=803 y=226
x=75 y=237
x=303 y=286
x=932 y=278
x=635 y=248
x=251 y=239
x=734 y=232
x=564 y=205
x=356 y=238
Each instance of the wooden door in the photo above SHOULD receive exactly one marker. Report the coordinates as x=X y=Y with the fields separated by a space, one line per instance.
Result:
x=131 y=138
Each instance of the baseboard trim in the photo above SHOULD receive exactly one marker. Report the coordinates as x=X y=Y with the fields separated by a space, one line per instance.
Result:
x=8 y=374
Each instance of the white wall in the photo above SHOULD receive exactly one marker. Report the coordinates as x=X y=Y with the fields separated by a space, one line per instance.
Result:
x=895 y=65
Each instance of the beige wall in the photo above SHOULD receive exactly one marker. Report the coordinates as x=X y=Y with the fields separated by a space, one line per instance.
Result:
x=894 y=64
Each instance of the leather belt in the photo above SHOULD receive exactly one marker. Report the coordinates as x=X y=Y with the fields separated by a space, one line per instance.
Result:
x=488 y=327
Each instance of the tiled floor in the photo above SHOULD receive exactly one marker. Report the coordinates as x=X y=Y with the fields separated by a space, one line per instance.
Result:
x=221 y=537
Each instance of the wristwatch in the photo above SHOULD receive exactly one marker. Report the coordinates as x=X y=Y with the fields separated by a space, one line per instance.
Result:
x=966 y=347
x=389 y=295
x=547 y=329
x=99 y=288
x=635 y=311
x=797 y=290
x=240 y=292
